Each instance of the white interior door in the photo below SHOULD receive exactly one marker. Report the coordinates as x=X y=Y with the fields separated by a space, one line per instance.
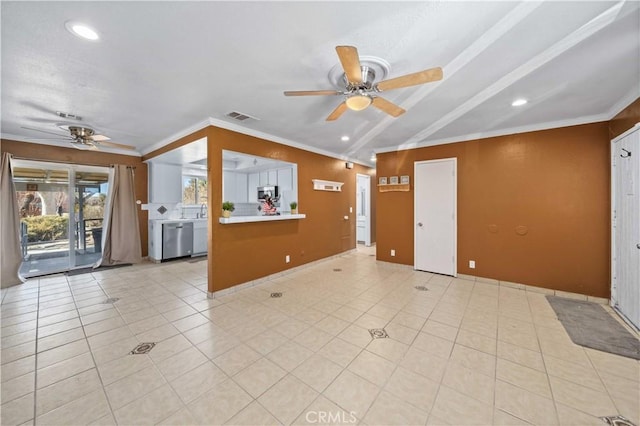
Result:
x=625 y=232
x=363 y=209
x=435 y=185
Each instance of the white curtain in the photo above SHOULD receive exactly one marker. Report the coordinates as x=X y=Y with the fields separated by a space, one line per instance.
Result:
x=121 y=231
x=11 y=253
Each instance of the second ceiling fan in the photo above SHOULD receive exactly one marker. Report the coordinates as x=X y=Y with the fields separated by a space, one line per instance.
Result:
x=361 y=88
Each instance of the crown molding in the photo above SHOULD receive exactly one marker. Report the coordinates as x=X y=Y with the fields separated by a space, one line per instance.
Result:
x=106 y=150
x=624 y=102
x=210 y=121
x=502 y=132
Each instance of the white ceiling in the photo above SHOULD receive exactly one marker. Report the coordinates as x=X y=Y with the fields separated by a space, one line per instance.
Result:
x=162 y=69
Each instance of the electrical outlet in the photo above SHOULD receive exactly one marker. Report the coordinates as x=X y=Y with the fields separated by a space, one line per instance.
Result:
x=472 y=264
x=393 y=252
x=287 y=259
x=350 y=209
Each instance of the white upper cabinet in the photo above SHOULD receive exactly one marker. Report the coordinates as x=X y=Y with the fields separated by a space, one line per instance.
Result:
x=264 y=178
x=234 y=186
x=165 y=183
x=285 y=179
x=241 y=188
x=253 y=182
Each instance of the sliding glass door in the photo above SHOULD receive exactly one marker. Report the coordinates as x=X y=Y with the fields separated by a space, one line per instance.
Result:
x=61 y=210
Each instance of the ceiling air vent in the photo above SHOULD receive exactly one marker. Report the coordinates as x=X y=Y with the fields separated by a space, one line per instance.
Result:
x=240 y=116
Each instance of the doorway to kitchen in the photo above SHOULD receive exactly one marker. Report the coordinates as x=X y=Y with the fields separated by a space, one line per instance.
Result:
x=363 y=209
x=61 y=214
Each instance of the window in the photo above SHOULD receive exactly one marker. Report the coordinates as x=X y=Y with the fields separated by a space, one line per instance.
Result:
x=194 y=190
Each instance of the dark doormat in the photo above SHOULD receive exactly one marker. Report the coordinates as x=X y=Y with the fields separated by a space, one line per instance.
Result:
x=91 y=269
x=590 y=325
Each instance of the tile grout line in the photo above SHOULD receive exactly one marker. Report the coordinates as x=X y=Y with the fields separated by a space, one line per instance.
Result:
x=440 y=382
x=546 y=371
x=35 y=365
x=91 y=350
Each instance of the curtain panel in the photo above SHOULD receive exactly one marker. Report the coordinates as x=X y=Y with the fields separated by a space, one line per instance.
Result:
x=121 y=234
x=11 y=254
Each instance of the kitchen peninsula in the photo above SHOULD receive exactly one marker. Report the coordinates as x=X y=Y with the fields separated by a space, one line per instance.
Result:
x=262 y=218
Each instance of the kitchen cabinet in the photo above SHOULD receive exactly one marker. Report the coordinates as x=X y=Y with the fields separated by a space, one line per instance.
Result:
x=200 y=237
x=241 y=188
x=285 y=179
x=253 y=182
x=234 y=187
x=155 y=241
x=264 y=178
x=165 y=183
x=268 y=177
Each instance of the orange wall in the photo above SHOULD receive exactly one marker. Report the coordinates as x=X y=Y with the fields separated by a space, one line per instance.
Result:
x=625 y=119
x=246 y=251
x=555 y=182
x=58 y=154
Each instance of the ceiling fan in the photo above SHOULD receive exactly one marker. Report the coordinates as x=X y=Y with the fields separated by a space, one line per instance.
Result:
x=82 y=137
x=361 y=88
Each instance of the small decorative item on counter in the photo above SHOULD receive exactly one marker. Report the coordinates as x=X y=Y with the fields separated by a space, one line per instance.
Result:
x=227 y=208
x=294 y=207
x=268 y=206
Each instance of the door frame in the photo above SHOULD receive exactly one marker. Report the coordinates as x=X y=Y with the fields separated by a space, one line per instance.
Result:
x=367 y=240
x=453 y=160
x=613 y=301
x=71 y=170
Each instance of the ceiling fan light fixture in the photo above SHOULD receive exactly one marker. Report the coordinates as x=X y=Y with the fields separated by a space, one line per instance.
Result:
x=81 y=30
x=358 y=102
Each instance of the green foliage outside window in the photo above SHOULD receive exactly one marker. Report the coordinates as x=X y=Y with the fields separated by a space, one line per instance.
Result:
x=47 y=228
x=194 y=190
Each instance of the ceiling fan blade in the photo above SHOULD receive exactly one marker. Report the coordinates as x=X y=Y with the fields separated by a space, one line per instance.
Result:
x=114 y=145
x=388 y=107
x=100 y=138
x=80 y=146
x=62 y=135
x=340 y=109
x=421 y=77
x=350 y=63
x=311 y=92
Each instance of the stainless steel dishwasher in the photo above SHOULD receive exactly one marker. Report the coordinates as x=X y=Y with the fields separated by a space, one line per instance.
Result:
x=177 y=239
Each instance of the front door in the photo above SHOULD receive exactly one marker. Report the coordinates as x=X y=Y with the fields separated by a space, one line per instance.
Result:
x=625 y=197
x=435 y=216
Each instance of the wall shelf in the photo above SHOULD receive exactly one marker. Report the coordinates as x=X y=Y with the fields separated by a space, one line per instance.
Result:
x=399 y=187
x=327 y=185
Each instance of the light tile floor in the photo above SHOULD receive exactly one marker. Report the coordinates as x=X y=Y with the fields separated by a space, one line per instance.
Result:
x=460 y=352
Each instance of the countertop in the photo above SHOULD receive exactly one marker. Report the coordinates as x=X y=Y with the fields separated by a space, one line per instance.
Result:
x=204 y=219
x=262 y=218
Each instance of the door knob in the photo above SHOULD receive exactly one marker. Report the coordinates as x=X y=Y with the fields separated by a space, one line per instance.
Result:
x=638 y=246
x=420 y=224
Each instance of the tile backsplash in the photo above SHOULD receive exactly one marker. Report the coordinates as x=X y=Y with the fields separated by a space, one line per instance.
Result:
x=179 y=211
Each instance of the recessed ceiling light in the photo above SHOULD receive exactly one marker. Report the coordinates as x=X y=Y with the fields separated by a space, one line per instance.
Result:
x=81 y=30
x=519 y=102
x=344 y=138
